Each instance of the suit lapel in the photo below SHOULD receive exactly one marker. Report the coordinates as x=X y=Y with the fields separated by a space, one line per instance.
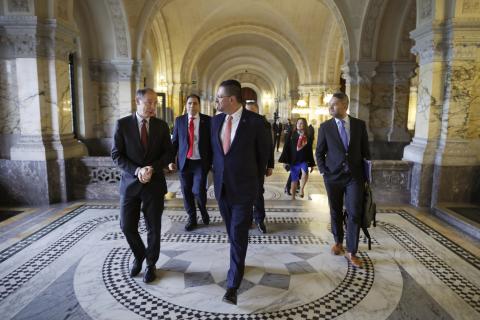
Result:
x=219 y=130
x=353 y=131
x=136 y=132
x=153 y=127
x=184 y=128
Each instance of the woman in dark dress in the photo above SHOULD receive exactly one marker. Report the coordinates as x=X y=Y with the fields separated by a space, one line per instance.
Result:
x=298 y=154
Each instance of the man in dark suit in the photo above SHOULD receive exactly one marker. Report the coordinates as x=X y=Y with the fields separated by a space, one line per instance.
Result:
x=141 y=149
x=191 y=142
x=239 y=160
x=277 y=133
x=341 y=148
x=259 y=206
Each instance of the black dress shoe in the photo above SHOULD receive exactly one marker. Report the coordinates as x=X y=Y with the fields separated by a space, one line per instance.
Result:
x=136 y=267
x=230 y=296
x=149 y=275
x=190 y=225
x=206 y=219
x=261 y=227
x=288 y=192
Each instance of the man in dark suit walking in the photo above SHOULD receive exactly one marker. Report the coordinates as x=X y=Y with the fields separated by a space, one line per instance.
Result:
x=239 y=160
x=277 y=133
x=259 y=206
x=141 y=149
x=191 y=142
x=341 y=148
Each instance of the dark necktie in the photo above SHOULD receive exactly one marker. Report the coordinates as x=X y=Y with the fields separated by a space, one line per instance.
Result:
x=343 y=134
x=144 y=135
x=227 y=135
x=191 y=137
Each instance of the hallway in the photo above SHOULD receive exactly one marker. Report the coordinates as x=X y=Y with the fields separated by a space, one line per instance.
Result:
x=72 y=263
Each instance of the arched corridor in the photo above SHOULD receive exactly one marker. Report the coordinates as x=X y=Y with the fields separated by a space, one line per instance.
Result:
x=69 y=69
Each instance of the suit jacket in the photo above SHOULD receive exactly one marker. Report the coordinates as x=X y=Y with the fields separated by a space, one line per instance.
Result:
x=128 y=154
x=180 y=141
x=271 y=158
x=331 y=154
x=290 y=150
x=238 y=172
x=277 y=128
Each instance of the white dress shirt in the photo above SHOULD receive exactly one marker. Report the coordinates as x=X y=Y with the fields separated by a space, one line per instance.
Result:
x=235 y=121
x=196 y=136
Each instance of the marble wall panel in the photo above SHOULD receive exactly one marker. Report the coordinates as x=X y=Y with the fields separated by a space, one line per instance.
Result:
x=456 y=184
x=23 y=182
x=34 y=120
x=9 y=108
x=463 y=93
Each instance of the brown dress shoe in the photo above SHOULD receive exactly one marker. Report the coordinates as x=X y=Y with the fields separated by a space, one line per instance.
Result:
x=354 y=260
x=337 y=249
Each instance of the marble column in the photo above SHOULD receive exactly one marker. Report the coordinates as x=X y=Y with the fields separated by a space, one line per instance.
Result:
x=389 y=109
x=35 y=55
x=358 y=76
x=115 y=81
x=178 y=94
x=445 y=150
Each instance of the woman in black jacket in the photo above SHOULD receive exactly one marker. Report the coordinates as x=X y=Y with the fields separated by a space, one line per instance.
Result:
x=298 y=154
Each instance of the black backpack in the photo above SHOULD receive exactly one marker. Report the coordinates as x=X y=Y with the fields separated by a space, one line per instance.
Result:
x=369 y=216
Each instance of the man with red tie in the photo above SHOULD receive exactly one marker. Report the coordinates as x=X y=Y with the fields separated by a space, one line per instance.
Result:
x=191 y=142
x=240 y=151
x=141 y=149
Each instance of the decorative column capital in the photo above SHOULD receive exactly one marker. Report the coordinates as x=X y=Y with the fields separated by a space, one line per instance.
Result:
x=114 y=70
x=28 y=37
x=359 y=72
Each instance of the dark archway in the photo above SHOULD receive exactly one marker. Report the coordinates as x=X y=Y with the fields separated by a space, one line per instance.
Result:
x=249 y=94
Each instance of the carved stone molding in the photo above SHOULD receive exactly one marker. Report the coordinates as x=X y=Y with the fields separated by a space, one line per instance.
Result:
x=23 y=37
x=425 y=9
x=119 y=24
x=20 y=6
x=113 y=71
x=471 y=7
x=311 y=89
x=359 y=72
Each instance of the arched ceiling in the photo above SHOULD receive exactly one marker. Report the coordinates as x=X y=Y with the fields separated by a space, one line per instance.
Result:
x=279 y=42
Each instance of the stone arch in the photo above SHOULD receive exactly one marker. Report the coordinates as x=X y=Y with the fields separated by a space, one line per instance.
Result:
x=370 y=29
x=205 y=41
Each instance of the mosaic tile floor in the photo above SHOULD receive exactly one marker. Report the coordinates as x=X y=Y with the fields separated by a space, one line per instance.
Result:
x=76 y=267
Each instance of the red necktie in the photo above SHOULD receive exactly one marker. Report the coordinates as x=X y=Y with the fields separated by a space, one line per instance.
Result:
x=191 y=137
x=144 y=135
x=227 y=135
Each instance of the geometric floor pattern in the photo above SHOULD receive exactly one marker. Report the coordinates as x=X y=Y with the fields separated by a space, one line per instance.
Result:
x=76 y=267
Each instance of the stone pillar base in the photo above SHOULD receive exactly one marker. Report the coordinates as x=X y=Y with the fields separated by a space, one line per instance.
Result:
x=25 y=182
x=421 y=185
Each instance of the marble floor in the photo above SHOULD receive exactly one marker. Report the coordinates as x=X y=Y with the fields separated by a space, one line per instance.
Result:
x=70 y=261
